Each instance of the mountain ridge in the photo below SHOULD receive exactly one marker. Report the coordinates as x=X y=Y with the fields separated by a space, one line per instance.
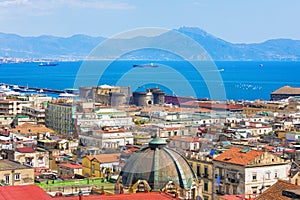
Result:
x=79 y=46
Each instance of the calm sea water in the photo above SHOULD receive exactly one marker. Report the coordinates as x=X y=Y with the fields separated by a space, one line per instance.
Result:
x=239 y=80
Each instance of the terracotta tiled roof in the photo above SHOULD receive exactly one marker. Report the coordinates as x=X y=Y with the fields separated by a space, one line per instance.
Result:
x=268 y=148
x=69 y=165
x=287 y=90
x=34 y=129
x=236 y=156
x=275 y=191
x=23 y=192
x=220 y=106
x=236 y=197
x=107 y=158
x=25 y=150
x=135 y=196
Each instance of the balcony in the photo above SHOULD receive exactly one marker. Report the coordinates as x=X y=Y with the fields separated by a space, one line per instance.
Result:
x=205 y=175
x=233 y=180
x=220 y=192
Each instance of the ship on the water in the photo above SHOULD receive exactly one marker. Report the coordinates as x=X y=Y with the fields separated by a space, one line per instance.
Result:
x=151 y=65
x=44 y=64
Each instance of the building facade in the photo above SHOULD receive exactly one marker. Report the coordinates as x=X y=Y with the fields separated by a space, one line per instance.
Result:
x=60 y=117
x=13 y=173
x=246 y=171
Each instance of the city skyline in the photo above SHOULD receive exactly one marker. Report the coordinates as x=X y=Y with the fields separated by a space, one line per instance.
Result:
x=233 y=21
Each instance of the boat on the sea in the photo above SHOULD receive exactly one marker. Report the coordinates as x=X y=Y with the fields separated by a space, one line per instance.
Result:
x=7 y=91
x=68 y=95
x=151 y=65
x=44 y=64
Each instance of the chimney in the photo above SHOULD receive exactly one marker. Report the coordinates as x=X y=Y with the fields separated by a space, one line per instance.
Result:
x=80 y=195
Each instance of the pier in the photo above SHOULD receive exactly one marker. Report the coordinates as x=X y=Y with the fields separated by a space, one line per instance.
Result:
x=37 y=89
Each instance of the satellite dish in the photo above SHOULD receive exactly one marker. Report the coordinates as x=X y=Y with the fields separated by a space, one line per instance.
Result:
x=198 y=197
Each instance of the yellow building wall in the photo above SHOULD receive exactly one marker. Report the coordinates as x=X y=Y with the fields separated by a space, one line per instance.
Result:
x=86 y=167
x=26 y=176
x=208 y=194
x=97 y=172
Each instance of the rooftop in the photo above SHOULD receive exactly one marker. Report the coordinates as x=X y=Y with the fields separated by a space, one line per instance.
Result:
x=276 y=191
x=25 y=150
x=27 y=128
x=11 y=165
x=287 y=90
x=23 y=192
x=69 y=165
x=106 y=158
x=135 y=196
x=238 y=156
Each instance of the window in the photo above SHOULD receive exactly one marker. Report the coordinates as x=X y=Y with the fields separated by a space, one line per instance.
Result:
x=93 y=168
x=198 y=170
x=182 y=133
x=254 y=177
x=205 y=197
x=254 y=190
x=268 y=175
x=195 y=146
x=169 y=133
x=205 y=186
x=276 y=175
x=205 y=171
x=7 y=178
x=17 y=176
x=175 y=133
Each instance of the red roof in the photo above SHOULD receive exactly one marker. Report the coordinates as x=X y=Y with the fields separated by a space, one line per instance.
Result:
x=236 y=156
x=220 y=106
x=23 y=192
x=25 y=150
x=275 y=191
x=237 y=197
x=135 y=196
x=69 y=165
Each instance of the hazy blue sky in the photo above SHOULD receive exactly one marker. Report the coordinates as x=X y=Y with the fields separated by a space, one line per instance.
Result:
x=231 y=20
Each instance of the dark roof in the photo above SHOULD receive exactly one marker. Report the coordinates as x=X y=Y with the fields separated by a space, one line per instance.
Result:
x=11 y=165
x=158 y=164
x=23 y=192
x=276 y=191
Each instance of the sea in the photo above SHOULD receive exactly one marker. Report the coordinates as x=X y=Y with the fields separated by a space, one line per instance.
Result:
x=230 y=80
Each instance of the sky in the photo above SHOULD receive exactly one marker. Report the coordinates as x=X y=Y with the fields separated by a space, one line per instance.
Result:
x=236 y=21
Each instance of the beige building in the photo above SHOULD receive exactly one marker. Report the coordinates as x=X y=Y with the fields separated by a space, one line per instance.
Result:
x=246 y=171
x=11 y=107
x=106 y=94
x=13 y=173
x=203 y=167
x=185 y=143
x=29 y=156
x=69 y=170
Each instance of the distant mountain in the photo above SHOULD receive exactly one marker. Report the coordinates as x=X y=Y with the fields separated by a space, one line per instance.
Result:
x=77 y=46
x=276 y=49
x=80 y=46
